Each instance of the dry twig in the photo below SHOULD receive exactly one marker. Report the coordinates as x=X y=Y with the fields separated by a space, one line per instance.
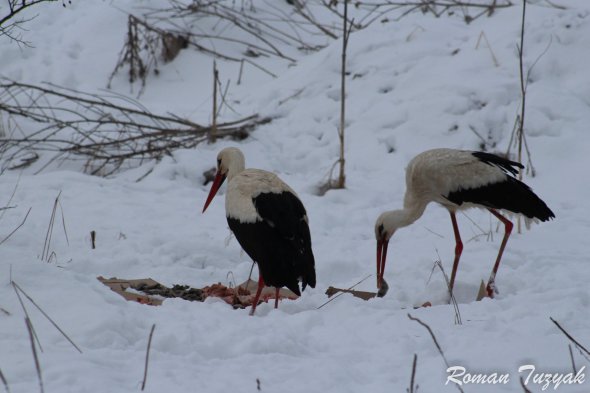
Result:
x=17 y=287
x=346 y=29
x=45 y=254
x=341 y=293
x=569 y=346
x=413 y=387
x=17 y=228
x=452 y=299
x=147 y=357
x=4 y=381
x=34 y=349
x=22 y=304
x=580 y=347
x=10 y=22
x=377 y=10
x=107 y=133
x=524 y=388
x=442 y=354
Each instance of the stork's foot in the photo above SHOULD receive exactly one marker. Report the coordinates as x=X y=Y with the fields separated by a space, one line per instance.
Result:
x=489 y=290
x=383 y=289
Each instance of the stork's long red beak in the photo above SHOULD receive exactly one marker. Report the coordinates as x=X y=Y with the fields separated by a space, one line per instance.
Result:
x=219 y=179
x=381 y=257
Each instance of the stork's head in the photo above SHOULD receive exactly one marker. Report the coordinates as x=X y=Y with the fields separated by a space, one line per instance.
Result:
x=230 y=162
x=385 y=227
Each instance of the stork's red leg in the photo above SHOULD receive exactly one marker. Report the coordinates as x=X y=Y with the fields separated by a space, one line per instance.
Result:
x=277 y=298
x=458 y=250
x=258 y=291
x=490 y=288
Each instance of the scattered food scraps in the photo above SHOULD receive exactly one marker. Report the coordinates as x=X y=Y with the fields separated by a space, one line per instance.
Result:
x=151 y=292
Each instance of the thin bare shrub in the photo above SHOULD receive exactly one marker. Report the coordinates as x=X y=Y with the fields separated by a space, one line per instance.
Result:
x=106 y=133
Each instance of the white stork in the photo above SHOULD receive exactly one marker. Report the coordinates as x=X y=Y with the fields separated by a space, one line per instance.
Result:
x=269 y=221
x=459 y=179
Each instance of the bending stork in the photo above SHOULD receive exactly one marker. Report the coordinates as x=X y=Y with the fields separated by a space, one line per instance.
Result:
x=459 y=179
x=269 y=221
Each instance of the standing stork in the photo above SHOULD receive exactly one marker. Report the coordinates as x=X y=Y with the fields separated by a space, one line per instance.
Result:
x=459 y=179
x=269 y=221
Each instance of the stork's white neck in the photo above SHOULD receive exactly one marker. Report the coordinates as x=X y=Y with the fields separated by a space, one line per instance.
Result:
x=401 y=218
x=236 y=165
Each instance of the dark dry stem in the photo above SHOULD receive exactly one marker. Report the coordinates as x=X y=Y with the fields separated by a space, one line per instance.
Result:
x=8 y=22
x=47 y=244
x=524 y=388
x=345 y=35
x=580 y=347
x=17 y=287
x=413 y=388
x=442 y=354
x=147 y=357
x=452 y=299
x=211 y=27
x=4 y=381
x=22 y=304
x=6 y=207
x=17 y=228
x=213 y=130
x=34 y=349
x=376 y=10
x=569 y=346
x=108 y=136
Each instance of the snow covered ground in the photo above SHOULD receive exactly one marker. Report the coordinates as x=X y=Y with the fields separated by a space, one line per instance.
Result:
x=414 y=84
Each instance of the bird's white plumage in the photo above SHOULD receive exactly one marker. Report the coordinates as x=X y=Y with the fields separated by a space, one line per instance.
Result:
x=459 y=179
x=433 y=174
x=245 y=186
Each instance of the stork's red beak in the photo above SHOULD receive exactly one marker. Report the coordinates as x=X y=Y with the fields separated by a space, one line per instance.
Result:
x=219 y=179
x=381 y=257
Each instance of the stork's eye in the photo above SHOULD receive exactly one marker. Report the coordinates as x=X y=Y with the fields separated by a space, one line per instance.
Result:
x=380 y=229
x=218 y=162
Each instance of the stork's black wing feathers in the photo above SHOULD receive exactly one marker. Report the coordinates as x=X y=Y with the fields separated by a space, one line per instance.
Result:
x=285 y=214
x=510 y=194
x=502 y=163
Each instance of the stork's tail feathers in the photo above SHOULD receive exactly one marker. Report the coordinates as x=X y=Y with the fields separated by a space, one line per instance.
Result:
x=511 y=195
x=534 y=207
x=309 y=274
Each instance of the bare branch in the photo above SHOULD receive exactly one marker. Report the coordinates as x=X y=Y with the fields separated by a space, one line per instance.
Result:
x=413 y=387
x=569 y=346
x=17 y=287
x=22 y=304
x=442 y=354
x=580 y=347
x=34 y=350
x=108 y=133
x=524 y=388
x=17 y=228
x=4 y=381
x=10 y=22
x=147 y=357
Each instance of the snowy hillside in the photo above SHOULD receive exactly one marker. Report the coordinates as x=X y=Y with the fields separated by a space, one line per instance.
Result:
x=415 y=83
